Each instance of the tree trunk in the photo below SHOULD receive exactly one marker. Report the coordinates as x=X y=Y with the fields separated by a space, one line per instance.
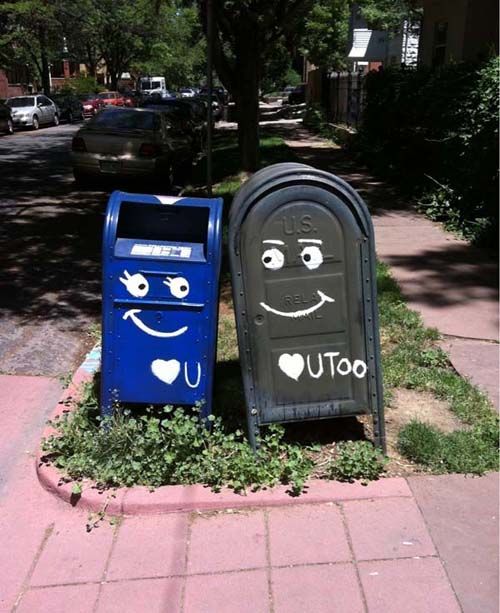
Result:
x=44 y=62
x=247 y=76
x=91 y=60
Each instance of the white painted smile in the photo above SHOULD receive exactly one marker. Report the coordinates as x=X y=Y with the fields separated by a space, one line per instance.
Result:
x=132 y=314
x=302 y=313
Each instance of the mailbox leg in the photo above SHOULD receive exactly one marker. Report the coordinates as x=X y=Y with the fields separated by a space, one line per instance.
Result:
x=253 y=432
x=379 y=430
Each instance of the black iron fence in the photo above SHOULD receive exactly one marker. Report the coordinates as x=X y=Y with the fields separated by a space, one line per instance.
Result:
x=342 y=97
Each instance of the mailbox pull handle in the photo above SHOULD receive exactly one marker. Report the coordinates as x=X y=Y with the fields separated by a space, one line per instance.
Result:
x=159 y=303
x=160 y=273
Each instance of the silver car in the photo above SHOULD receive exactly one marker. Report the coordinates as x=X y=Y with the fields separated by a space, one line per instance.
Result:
x=33 y=111
x=131 y=142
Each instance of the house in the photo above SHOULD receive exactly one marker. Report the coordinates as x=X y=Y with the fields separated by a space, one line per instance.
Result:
x=457 y=30
x=370 y=49
x=15 y=81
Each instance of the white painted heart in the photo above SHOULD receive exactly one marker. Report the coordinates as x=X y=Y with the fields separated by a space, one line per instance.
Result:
x=292 y=365
x=166 y=370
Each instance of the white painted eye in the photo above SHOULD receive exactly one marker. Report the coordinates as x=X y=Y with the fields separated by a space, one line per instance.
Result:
x=137 y=285
x=312 y=257
x=178 y=286
x=273 y=259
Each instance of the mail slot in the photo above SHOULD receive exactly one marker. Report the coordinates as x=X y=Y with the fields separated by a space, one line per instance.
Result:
x=304 y=285
x=161 y=265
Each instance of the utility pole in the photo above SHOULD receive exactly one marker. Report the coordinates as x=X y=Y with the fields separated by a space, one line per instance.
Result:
x=210 y=33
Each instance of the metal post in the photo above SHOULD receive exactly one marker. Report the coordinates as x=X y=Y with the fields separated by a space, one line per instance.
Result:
x=337 y=109
x=349 y=98
x=209 y=87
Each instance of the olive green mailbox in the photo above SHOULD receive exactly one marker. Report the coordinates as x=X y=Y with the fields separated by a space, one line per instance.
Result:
x=303 y=271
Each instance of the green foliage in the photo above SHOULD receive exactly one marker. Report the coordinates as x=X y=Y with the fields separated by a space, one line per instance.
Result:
x=315 y=120
x=170 y=446
x=465 y=451
x=178 y=51
x=278 y=72
x=388 y=14
x=356 y=460
x=81 y=85
x=30 y=32
x=324 y=38
x=437 y=131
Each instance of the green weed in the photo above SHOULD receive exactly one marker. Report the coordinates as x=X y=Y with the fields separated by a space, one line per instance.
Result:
x=170 y=446
x=356 y=460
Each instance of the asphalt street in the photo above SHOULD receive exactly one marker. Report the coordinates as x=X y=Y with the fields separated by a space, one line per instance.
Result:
x=50 y=235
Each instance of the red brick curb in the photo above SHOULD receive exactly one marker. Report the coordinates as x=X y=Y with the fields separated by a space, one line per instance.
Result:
x=178 y=498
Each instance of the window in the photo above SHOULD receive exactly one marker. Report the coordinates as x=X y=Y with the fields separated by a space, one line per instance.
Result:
x=439 y=47
x=117 y=119
x=20 y=102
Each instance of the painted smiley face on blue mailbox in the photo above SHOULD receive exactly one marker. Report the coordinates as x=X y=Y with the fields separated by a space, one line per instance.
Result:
x=168 y=371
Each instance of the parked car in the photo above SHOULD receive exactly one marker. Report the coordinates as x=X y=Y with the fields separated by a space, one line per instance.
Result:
x=221 y=93
x=6 y=123
x=180 y=115
x=112 y=98
x=298 y=95
x=70 y=107
x=186 y=92
x=33 y=111
x=91 y=104
x=130 y=99
x=189 y=114
x=131 y=142
x=216 y=105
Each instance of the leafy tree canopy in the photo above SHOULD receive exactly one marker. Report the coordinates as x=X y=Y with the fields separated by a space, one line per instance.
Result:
x=325 y=32
x=388 y=14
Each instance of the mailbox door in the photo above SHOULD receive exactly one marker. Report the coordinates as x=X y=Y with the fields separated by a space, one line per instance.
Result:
x=303 y=287
x=159 y=339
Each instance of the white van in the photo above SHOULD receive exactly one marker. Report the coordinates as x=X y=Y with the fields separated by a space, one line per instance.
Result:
x=152 y=85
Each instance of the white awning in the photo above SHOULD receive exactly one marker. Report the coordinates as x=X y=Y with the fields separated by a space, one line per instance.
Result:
x=368 y=45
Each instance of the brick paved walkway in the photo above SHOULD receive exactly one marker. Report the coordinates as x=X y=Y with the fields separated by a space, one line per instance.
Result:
x=346 y=556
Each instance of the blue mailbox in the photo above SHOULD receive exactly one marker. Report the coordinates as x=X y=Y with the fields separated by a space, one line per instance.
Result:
x=161 y=265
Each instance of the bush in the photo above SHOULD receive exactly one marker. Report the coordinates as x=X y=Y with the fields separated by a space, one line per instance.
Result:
x=356 y=460
x=437 y=131
x=81 y=85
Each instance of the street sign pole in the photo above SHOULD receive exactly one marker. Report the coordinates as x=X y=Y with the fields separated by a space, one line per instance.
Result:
x=209 y=87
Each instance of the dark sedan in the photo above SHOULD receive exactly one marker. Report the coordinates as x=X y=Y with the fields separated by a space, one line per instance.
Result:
x=70 y=107
x=298 y=95
x=6 y=123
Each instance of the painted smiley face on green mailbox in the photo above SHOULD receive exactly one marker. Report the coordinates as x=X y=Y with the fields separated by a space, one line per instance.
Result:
x=304 y=307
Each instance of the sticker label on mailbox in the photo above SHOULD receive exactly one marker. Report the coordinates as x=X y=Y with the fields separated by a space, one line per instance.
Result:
x=166 y=251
